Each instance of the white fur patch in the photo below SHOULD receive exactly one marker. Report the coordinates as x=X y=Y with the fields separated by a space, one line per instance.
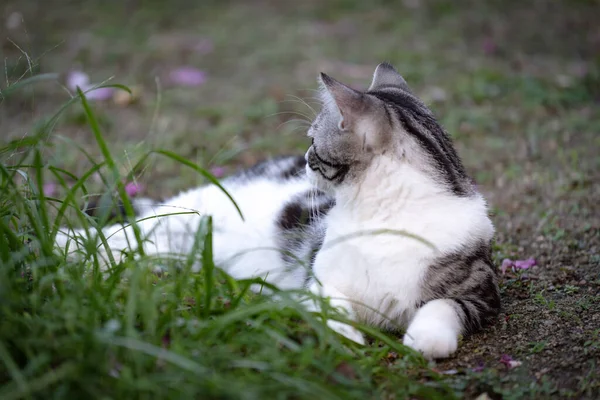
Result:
x=434 y=330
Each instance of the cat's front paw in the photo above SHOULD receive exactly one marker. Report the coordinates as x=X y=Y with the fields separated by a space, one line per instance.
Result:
x=432 y=342
x=347 y=331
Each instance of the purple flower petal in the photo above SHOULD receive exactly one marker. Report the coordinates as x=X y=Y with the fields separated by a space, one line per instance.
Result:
x=80 y=79
x=525 y=264
x=49 y=189
x=506 y=264
x=77 y=78
x=187 y=76
x=505 y=358
x=479 y=368
x=517 y=264
x=103 y=93
x=218 y=172
x=509 y=361
x=132 y=189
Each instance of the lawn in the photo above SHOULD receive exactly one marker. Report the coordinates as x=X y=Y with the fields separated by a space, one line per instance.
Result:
x=225 y=84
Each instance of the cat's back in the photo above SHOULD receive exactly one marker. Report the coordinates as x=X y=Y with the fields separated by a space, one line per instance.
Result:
x=258 y=191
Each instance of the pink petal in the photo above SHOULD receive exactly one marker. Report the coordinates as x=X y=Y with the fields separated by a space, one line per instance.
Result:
x=479 y=368
x=187 y=76
x=509 y=361
x=505 y=358
x=132 y=189
x=49 y=189
x=506 y=264
x=218 y=172
x=514 y=364
x=99 y=93
x=77 y=78
x=525 y=264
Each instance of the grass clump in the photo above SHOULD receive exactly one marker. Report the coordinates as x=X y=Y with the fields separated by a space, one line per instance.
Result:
x=70 y=330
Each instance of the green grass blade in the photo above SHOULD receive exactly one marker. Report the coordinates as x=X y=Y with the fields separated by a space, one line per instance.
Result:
x=201 y=171
x=157 y=352
x=6 y=93
x=13 y=369
x=208 y=267
x=113 y=168
x=36 y=385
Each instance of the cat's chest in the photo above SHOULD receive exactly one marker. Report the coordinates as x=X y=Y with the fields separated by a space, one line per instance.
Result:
x=370 y=261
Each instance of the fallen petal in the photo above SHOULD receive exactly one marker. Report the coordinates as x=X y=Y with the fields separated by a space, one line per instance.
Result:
x=478 y=368
x=525 y=264
x=450 y=372
x=132 y=189
x=103 y=93
x=514 y=364
x=49 y=189
x=218 y=172
x=509 y=362
x=187 y=76
x=77 y=78
x=506 y=264
x=505 y=359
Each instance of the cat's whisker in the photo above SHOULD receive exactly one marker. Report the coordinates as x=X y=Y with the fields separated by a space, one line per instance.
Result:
x=302 y=101
x=306 y=118
x=301 y=125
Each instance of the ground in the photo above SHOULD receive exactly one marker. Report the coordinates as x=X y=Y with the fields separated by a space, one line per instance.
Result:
x=516 y=84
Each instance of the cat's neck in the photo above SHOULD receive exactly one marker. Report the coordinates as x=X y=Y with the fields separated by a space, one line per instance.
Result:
x=393 y=185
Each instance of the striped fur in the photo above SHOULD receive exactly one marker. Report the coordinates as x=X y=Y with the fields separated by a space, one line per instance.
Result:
x=390 y=165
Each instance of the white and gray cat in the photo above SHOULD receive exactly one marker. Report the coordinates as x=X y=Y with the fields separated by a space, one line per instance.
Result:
x=380 y=209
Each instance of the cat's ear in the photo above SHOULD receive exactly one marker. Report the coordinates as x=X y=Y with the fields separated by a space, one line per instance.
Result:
x=348 y=101
x=385 y=76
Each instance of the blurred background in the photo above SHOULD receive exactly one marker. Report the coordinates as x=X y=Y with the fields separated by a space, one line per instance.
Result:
x=224 y=83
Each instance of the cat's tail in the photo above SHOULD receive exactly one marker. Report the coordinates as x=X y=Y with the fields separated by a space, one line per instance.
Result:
x=76 y=244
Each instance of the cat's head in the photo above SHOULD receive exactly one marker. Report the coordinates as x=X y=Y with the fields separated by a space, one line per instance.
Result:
x=354 y=128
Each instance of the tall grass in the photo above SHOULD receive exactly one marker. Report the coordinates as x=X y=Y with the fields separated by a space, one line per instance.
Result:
x=68 y=330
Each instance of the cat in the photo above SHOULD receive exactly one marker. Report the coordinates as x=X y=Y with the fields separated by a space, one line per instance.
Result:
x=379 y=216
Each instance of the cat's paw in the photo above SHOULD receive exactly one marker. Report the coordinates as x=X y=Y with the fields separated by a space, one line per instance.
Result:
x=432 y=342
x=347 y=331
